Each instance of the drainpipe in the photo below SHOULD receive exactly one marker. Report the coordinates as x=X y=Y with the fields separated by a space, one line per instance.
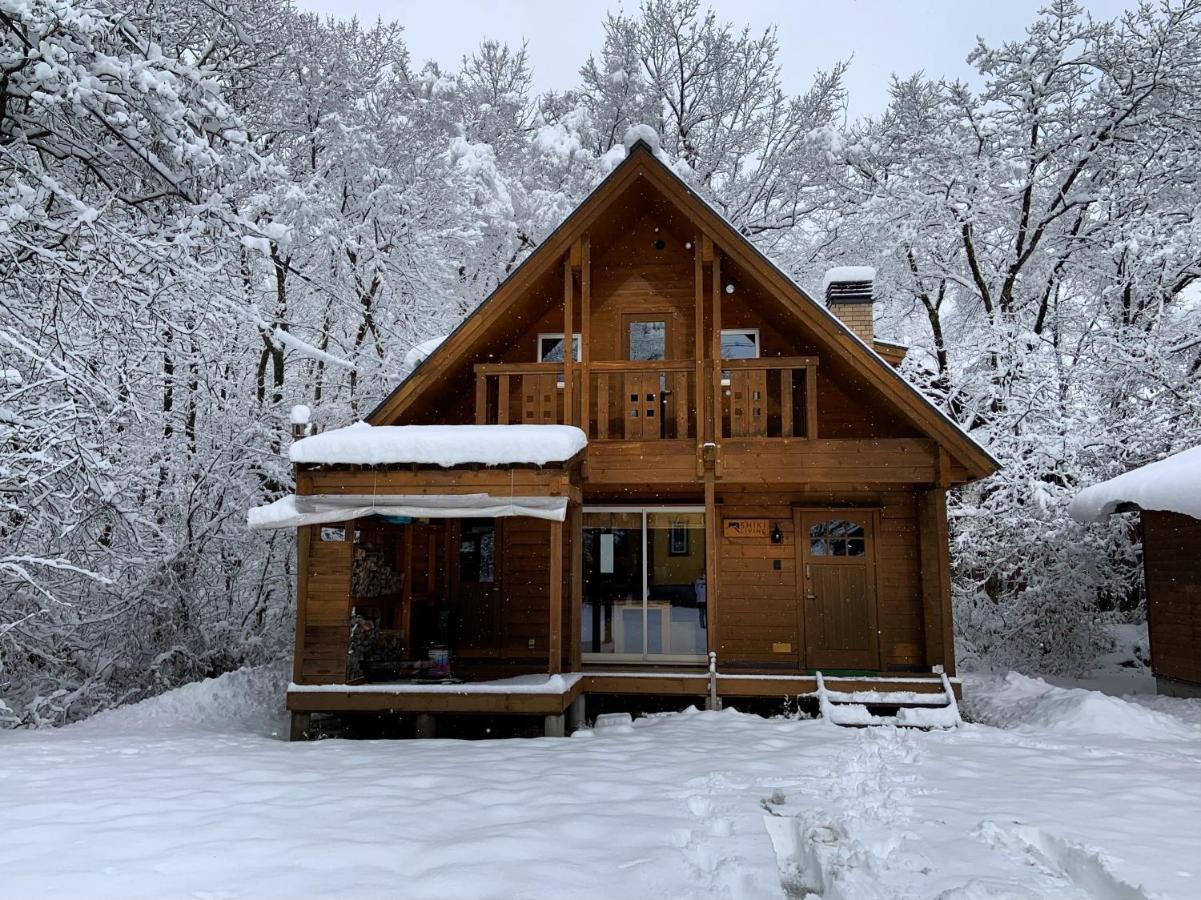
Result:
x=714 y=701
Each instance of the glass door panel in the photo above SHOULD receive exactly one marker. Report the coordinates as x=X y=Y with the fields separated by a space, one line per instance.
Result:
x=611 y=620
x=644 y=585
x=676 y=608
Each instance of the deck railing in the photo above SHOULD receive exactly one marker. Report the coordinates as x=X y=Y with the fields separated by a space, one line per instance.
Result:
x=659 y=400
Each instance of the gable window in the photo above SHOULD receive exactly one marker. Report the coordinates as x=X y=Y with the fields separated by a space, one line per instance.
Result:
x=550 y=347
x=740 y=343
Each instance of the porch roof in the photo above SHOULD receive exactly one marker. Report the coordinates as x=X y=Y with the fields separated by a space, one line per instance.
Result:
x=441 y=445
x=292 y=511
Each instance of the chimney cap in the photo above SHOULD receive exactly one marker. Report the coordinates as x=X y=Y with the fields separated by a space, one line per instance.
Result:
x=849 y=284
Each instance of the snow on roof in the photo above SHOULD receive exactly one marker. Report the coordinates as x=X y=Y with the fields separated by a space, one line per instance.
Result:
x=421 y=352
x=1170 y=485
x=847 y=273
x=441 y=445
x=636 y=133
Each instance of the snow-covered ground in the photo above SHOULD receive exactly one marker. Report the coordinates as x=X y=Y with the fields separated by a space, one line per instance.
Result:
x=1059 y=793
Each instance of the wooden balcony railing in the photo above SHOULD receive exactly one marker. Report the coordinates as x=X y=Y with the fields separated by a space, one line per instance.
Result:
x=769 y=397
x=647 y=401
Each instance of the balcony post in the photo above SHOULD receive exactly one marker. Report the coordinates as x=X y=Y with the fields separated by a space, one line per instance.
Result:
x=568 y=334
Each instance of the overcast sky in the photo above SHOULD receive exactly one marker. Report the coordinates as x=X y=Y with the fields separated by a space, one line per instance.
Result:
x=879 y=36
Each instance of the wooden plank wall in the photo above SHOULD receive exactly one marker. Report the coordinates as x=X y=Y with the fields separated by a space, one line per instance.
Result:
x=760 y=606
x=323 y=618
x=1173 y=577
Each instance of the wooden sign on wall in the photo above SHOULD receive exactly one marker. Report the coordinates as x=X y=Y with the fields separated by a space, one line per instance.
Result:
x=747 y=528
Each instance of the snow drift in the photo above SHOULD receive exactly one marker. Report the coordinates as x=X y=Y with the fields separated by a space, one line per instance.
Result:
x=1017 y=701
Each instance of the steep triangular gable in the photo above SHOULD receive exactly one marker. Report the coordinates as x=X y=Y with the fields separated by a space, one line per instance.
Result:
x=641 y=162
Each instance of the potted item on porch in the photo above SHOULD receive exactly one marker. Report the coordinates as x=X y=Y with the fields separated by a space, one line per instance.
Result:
x=439 y=661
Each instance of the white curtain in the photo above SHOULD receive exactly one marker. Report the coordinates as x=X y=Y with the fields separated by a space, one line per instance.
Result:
x=314 y=509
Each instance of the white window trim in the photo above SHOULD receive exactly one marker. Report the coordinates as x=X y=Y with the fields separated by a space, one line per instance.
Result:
x=577 y=345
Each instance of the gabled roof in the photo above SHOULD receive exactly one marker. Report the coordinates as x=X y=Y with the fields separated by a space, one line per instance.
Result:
x=641 y=162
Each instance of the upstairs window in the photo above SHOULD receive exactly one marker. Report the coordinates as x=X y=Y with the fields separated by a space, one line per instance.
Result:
x=740 y=343
x=550 y=347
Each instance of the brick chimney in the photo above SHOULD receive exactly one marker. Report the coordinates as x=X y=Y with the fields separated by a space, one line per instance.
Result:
x=848 y=291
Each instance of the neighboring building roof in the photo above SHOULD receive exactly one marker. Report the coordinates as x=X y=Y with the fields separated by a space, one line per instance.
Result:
x=1170 y=485
x=441 y=445
x=975 y=457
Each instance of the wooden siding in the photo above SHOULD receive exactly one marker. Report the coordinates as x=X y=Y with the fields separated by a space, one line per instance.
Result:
x=1172 y=561
x=323 y=620
x=761 y=604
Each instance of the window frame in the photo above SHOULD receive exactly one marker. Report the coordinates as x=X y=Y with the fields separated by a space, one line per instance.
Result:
x=576 y=345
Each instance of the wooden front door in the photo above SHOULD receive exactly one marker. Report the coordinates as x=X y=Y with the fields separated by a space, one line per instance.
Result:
x=838 y=588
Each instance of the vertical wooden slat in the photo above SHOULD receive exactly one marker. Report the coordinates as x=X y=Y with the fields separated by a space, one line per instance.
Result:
x=502 y=400
x=575 y=518
x=715 y=347
x=680 y=396
x=811 y=402
x=602 y=405
x=481 y=398
x=568 y=333
x=738 y=402
x=756 y=402
x=786 y=403
x=555 y=630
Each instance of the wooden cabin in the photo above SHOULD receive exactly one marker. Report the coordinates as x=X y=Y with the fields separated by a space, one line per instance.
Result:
x=757 y=493
x=1167 y=497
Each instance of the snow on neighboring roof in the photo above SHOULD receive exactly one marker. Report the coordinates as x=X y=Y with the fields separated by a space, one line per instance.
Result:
x=421 y=352
x=847 y=273
x=1170 y=485
x=441 y=445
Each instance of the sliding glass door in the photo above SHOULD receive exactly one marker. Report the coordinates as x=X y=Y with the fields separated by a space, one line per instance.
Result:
x=644 y=584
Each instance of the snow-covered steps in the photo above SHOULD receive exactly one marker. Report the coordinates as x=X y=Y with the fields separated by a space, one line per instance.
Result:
x=850 y=708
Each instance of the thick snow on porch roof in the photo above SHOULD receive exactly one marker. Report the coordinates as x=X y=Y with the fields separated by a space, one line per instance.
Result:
x=1170 y=485
x=441 y=445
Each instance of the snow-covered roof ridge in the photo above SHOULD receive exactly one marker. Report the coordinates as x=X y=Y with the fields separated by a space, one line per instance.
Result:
x=441 y=445
x=1170 y=485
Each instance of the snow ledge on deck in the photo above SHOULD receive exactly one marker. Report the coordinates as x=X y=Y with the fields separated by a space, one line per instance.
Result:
x=518 y=684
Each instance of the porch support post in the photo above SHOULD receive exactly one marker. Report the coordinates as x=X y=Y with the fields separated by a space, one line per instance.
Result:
x=554 y=726
x=575 y=521
x=555 y=618
x=576 y=714
x=711 y=570
x=936 y=578
x=301 y=723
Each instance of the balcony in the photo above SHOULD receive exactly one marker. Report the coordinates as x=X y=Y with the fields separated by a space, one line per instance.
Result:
x=668 y=400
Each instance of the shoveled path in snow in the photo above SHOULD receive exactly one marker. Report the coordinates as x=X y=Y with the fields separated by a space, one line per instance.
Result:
x=149 y=802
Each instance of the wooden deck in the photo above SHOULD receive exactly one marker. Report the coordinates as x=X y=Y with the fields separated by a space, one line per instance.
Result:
x=494 y=698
